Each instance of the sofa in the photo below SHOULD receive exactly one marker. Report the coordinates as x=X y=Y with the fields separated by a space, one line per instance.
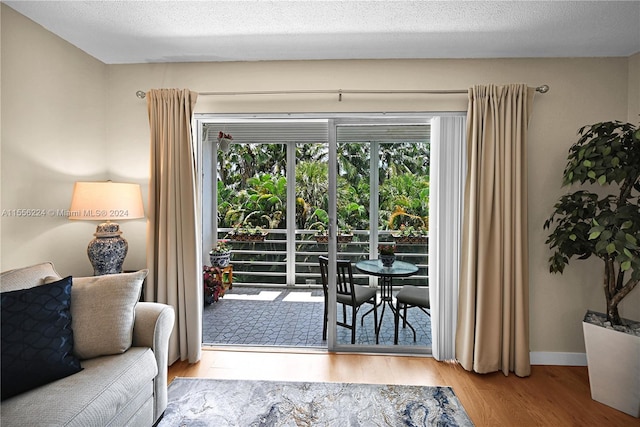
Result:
x=81 y=351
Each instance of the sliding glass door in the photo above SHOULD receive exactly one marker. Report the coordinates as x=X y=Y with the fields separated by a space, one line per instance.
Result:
x=382 y=194
x=289 y=189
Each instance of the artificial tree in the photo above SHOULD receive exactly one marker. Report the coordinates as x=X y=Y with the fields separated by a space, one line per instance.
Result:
x=607 y=227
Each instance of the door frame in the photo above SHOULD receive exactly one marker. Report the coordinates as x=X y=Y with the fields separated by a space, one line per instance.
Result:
x=207 y=183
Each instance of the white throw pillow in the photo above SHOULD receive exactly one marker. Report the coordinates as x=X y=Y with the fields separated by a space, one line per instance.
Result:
x=103 y=313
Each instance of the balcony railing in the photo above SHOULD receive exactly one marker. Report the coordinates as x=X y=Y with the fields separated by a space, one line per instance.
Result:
x=264 y=263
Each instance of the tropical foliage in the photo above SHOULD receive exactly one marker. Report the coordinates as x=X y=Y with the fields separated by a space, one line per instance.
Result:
x=252 y=189
x=222 y=247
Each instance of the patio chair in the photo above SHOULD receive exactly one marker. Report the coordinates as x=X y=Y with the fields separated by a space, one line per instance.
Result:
x=347 y=294
x=410 y=296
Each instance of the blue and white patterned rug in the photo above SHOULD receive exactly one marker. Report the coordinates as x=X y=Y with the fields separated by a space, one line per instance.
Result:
x=208 y=402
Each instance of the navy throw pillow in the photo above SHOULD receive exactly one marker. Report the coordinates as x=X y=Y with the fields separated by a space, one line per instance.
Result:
x=37 y=339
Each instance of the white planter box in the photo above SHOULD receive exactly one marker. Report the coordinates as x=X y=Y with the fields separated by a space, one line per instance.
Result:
x=614 y=367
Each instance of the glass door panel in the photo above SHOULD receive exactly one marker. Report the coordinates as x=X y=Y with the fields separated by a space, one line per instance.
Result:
x=353 y=200
x=383 y=198
x=252 y=214
x=403 y=197
x=312 y=211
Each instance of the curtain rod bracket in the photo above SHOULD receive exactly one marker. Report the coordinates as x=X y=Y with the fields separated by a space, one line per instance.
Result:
x=140 y=94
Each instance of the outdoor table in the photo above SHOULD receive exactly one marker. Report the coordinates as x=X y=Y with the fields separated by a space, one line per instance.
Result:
x=374 y=267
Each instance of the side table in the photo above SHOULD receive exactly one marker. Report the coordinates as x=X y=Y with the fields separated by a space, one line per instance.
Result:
x=376 y=268
x=226 y=276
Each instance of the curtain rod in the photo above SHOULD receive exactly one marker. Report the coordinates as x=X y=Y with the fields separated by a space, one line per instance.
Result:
x=141 y=94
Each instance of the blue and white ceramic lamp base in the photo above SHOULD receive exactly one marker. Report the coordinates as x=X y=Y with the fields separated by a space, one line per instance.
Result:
x=108 y=249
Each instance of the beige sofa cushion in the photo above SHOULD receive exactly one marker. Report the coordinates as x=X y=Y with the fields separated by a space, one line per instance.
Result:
x=103 y=312
x=27 y=277
x=109 y=391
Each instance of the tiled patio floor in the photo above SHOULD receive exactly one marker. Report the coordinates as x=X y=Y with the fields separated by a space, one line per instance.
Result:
x=293 y=318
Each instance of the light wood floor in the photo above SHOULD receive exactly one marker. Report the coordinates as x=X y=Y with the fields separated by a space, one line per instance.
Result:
x=551 y=396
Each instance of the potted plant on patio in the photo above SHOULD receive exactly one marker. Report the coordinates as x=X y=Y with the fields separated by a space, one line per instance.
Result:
x=408 y=228
x=220 y=254
x=607 y=227
x=387 y=254
x=213 y=287
x=245 y=233
x=411 y=235
x=322 y=235
x=345 y=235
x=224 y=141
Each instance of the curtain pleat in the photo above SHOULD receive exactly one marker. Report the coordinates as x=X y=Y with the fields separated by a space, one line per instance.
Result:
x=493 y=309
x=173 y=253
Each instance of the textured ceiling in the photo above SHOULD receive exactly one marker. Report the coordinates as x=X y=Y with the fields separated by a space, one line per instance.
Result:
x=191 y=31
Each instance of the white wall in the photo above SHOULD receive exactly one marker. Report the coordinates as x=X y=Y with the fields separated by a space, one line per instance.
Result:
x=583 y=91
x=633 y=100
x=53 y=133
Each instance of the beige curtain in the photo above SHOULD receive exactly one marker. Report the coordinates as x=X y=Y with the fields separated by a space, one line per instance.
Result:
x=493 y=308
x=173 y=253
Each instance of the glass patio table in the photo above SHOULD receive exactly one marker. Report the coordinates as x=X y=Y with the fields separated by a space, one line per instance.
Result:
x=374 y=267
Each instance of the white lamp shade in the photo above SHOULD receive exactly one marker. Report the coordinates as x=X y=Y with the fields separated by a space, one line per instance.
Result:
x=106 y=201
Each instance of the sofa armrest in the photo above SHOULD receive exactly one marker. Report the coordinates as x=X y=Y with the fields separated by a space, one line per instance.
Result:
x=152 y=328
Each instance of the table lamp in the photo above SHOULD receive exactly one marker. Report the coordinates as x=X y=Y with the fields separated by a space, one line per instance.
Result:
x=106 y=201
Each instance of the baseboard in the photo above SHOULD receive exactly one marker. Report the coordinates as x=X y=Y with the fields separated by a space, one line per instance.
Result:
x=556 y=358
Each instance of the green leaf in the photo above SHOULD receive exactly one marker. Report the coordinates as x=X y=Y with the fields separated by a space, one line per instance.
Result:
x=587 y=163
x=591 y=174
x=593 y=235
x=615 y=161
x=625 y=265
x=573 y=237
x=626 y=224
x=597 y=227
x=600 y=246
x=630 y=238
x=602 y=179
x=611 y=248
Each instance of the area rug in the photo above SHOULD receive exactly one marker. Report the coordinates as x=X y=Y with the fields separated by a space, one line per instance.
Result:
x=208 y=402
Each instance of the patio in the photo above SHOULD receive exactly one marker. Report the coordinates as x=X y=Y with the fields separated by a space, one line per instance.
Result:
x=292 y=317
